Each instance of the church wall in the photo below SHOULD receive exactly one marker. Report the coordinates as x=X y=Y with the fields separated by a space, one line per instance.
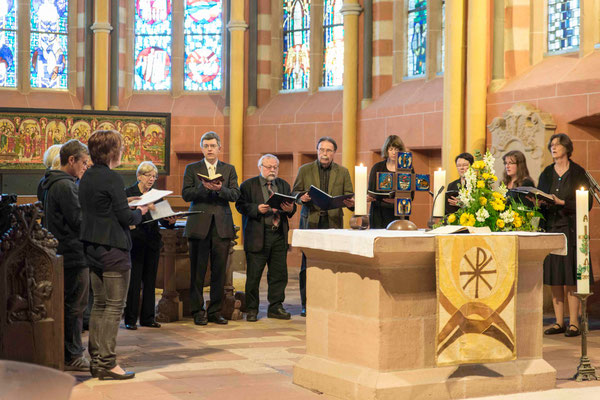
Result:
x=568 y=88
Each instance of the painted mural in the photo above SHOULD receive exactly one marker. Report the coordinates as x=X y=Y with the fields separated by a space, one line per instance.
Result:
x=25 y=135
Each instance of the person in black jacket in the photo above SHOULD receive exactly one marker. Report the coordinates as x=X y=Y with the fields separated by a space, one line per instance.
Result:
x=106 y=218
x=382 y=211
x=463 y=161
x=145 y=254
x=58 y=192
x=265 y=237
x=516 y=174
x=561 y=179
x=209 y=232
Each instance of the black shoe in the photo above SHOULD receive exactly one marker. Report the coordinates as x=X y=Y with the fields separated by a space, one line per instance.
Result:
x=554 y=329
x=217 y=319
x=279 y=313
x=572 y=332
x=131 y=327
x=94 y=371
x=200 y=318
x=152 y=324
x=252 y=316
x=303 y=313
x=103 y=373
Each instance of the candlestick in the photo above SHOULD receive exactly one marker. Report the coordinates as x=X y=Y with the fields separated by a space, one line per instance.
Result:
x=439 y=180
x=360 y=190
x=583 y=253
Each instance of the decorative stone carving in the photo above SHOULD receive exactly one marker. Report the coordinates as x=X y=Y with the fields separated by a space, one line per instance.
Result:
x=524 y=128
x=31 y=291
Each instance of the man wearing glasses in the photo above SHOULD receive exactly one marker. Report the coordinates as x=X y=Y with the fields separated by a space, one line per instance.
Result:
x=331 y=178
x=209 y=232
x=265 y=237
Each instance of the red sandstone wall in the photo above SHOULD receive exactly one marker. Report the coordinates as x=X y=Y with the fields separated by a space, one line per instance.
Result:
x=567 y=87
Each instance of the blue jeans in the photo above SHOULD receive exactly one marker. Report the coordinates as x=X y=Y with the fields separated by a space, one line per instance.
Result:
x=76 y=298
x=110 y=291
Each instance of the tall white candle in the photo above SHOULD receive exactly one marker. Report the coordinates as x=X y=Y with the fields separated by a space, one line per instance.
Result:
x=439 y=180
x=583 y=241
x=360 y=190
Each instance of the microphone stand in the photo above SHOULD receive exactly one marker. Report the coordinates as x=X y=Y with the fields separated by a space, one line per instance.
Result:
x=430 y=222
x=594 y=186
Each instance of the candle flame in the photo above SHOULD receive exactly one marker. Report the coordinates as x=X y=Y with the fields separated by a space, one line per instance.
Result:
x=361 y=165
x=582 y=189
x=440 y=168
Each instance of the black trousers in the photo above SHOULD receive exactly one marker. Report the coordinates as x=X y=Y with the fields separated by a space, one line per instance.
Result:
x=217 y=249
x=274 y=254
x=144 y=264
x=76 y=280
x=323 y=224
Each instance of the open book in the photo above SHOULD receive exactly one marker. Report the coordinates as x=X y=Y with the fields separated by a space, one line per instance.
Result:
x=151 y=196
x=459 y=229
x=216 y=178
x=277 y=198
x=381 y=195
x=535 y=191
x=326 y=202
x=163 y=209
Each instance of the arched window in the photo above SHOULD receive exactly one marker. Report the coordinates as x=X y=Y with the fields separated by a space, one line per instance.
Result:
x=296 y=47
x=48 y=47
x=203 y=32
x=563 y=25
x=333 y=39
x=152 y=47
x=8 y=43
x=417 y=37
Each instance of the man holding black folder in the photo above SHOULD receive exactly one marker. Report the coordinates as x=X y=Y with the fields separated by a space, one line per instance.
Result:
x=331 y=178
x=266 y=236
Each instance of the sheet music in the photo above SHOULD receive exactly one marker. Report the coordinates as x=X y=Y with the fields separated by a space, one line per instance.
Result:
x=152 y=196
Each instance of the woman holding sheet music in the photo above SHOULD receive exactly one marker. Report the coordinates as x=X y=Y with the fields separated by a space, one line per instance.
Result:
x=106 y=218
x=145 y=253
x=382 y=210
x=561 y=179
x=516 y=174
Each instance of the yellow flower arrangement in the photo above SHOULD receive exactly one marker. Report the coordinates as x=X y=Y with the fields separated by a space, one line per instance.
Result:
x=484 y=203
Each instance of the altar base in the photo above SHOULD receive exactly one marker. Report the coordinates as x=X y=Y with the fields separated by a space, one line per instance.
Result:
x=371 y=320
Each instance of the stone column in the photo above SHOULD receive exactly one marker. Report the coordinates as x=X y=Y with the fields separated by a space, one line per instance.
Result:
x=101 y=29
x=350 y=10
x=169 y=308
x=454 y=82
x=237 y=25
x=114 y=56
x=477 y=74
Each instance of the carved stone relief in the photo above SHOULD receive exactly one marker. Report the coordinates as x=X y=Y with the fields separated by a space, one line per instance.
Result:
x=523 y=128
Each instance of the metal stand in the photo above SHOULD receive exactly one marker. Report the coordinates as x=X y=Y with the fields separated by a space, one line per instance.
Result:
x=585 y=371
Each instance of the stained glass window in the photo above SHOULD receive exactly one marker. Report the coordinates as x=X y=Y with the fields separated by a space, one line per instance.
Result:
x=8 y=43
x=333 y=39
x=417 y=37
x=563 y=24
x=152 y=48
x=203 y=27
x=296 y=46
x=49 y=50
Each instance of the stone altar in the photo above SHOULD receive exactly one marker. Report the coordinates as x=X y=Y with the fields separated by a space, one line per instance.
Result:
x=371 y=319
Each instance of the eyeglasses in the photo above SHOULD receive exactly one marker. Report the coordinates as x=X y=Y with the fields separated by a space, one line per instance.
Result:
x=555 y=145
x=150 y=175
x=210 y=146
x=510 y=163
x=326 y=151
x=272 y=167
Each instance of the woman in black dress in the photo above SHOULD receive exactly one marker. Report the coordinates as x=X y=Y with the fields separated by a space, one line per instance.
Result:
x=561 y=179
x=463 y=161
x=382 y=211
x=106 y=218
x=145 y=254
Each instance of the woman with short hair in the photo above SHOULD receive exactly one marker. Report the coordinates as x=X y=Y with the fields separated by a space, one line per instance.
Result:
x=106 y=218
x=561 y=179
x=462 y=161
x=145 y=254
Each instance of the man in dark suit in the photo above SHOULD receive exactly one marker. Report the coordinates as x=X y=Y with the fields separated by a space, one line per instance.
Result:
x=265 y=237
x=331 y=178
x=209 y=232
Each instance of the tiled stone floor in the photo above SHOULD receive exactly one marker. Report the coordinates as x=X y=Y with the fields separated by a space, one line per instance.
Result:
x=242 y=360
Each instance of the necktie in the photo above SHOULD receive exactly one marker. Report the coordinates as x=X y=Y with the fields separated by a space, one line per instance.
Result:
x=211 y=171
x=276 y=216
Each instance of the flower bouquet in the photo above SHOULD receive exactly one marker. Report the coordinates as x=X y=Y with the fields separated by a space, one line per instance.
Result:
x=483 y=205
